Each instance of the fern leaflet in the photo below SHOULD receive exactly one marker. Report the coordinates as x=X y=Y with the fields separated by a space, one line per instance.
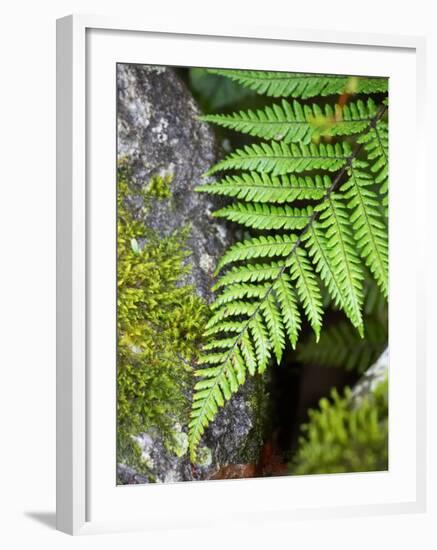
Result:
x=376 y=145
x=301 y=85
x=262 y=216
x=368 y=225
x=296 y=123
x=280 y=158
x=252 y=186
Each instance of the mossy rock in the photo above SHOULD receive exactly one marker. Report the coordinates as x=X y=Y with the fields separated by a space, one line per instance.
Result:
x=168 y=246
x=169 y=149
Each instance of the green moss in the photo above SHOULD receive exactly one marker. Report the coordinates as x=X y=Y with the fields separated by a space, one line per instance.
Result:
x=177 y=442
x=159 y=323
x=159 y=187
x=340 y=438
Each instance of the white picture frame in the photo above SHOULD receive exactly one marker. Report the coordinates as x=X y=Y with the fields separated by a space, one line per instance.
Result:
x=75 y=398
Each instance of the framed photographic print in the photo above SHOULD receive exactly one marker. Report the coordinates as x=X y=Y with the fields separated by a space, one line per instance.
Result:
x=237 y=257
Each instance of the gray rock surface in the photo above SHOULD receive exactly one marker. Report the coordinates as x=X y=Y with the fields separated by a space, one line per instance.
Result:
x=159 y=134
x=371 y=378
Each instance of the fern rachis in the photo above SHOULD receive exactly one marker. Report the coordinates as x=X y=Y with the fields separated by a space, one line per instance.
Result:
x=266 y=280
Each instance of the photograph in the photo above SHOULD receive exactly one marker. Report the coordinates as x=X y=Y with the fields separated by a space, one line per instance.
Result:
x=252 y=273
x=219 y=315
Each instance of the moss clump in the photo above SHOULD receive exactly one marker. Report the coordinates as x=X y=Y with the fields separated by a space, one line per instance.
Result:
x=340 y=438
x=159 y=187
x=159 y=323
x=179 y=443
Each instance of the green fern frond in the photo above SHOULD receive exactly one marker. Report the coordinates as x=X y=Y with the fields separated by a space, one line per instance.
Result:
x=248 y=352
x=269 y=246
x=234 y=309
x=263 y=187
x=261 y=341
x=251 y=350
x=252 y=272
x=274 y=324
x=319 y=250
x=209 y=394
x=280 y=158
x=239 y=291
x=318 y=224
x=368 y=226
x=340 y=346
x=263 y=216
x=376 y=146
x=301 y=85
x=308 y=289
x=346 y=265
x=223 y=343
x=225 y=327
x=296 y=123
x=286 y=297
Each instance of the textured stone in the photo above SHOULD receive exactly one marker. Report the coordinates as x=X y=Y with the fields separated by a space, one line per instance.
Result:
x=160 y=134
x=371 y=378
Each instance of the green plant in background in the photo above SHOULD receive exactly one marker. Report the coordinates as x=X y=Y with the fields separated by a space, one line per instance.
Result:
x=215 y=92
x=313 y=197
x=340 y=437
x=341 y=346
x=159 y=324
